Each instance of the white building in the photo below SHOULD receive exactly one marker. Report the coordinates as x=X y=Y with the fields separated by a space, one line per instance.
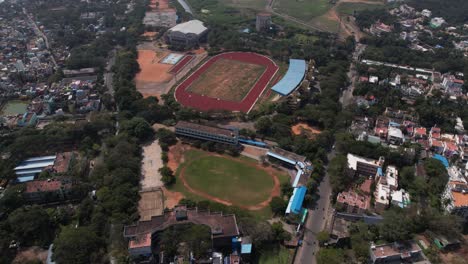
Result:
x=426 y=13
x=395 y=136
x=186 y=34
x=437 y=22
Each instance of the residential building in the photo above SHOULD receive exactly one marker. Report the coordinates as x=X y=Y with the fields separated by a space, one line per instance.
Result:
x=401 y=198
x=140 y=246
x=28 y=119
x=209 y=133
x=426 y=13
x=353 y=202
x=398 y=252
x=420 y=133
x=187 y=34
x=50 y=190
x=455 y=198
x=263 y=21
x=437 y=22
x=379 y=28
x=364 y=166
x=395 y=136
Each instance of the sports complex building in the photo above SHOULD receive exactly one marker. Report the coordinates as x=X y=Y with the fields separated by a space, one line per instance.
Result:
x=209 y=133
x=293 y=77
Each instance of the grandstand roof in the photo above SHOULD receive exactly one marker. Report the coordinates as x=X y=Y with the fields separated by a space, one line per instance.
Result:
x=292 y=78
x=192 y=26
x=298 y=200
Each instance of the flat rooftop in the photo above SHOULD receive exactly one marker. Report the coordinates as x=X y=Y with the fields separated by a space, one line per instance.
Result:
x=221 y=225
x=354 y=159
x=289 y=155
x=207 y=129
x=404 y=249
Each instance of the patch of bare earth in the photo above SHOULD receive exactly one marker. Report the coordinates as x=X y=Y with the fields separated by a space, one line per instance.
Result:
x=229 y=80
x=31 y=254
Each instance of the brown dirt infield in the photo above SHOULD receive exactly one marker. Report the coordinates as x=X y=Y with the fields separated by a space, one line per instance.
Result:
x=229 y=80
x=274 y=192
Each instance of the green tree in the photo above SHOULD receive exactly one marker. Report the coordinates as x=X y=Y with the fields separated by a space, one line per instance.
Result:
x=263 y=125
x=323 y=236
x=138 y=127
x=278 y=205
x=279 y=234
x=167 y=175
x=330 y=256
x=396 y=226
x=31 y=226
x=77 y=246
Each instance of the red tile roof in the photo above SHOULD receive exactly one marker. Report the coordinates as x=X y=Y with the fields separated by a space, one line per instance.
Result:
x=140 y=241
x=366 y=186
x=45 y=186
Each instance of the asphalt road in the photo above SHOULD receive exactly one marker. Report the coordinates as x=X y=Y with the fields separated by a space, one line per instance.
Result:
x=315 y=222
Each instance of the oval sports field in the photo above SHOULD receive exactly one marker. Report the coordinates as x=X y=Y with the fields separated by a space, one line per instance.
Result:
x=240 y=76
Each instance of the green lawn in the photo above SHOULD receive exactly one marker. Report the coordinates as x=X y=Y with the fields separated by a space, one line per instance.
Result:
x=262 y=214
x=229 y=180
x=254 y=4
x=280 y=255
x=305 y=10
x=349 y=8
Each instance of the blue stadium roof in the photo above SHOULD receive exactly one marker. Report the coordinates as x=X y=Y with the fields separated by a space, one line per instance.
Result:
x=292 y=78
x=441 y=159
x=298 y=200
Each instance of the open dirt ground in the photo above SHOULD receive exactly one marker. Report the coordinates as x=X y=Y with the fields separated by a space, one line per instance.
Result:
x=31 y=254
x=151 y=203
x=303 y=128
x=153 y=75
x=150 y=176
x=227 y=79
x=331 y=19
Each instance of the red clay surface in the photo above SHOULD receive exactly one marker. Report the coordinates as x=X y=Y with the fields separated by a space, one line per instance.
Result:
x=205 y=103
x=180 y=64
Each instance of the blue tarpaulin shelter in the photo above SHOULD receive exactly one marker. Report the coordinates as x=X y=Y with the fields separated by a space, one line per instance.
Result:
x=441 y=159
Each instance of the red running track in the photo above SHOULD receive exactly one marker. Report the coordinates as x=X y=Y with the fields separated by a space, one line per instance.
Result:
x=181 y=64
x=205 y=103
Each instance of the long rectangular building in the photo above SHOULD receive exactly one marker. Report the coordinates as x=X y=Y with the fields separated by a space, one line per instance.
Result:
x=209 y=133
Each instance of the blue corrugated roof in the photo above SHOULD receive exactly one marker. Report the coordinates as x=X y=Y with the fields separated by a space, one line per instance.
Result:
x=246 y=248
x=441 y=159
x=25 y=178
x=281 y=158
x=380 y=171
x=298 y=199
x=292 y=78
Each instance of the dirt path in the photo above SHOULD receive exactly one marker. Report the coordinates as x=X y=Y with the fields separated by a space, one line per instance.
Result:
x=348 y=27
x=275 y=191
